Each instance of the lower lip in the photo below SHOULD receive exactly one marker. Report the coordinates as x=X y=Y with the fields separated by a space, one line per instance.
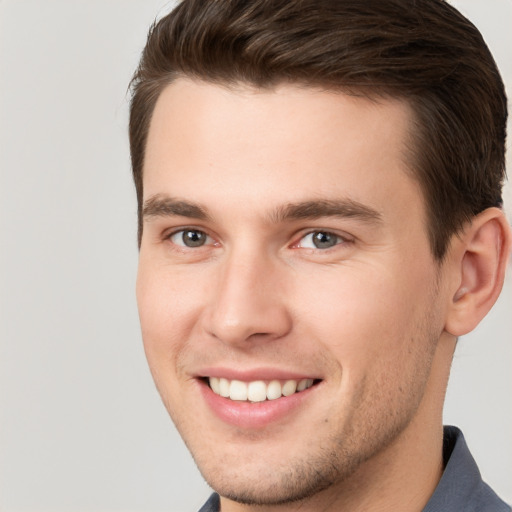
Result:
x=255 y=415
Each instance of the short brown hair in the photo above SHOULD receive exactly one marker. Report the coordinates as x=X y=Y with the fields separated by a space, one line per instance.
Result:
x=422 y=51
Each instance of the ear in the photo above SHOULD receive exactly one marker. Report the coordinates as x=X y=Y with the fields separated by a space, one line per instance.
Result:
x=479 y=259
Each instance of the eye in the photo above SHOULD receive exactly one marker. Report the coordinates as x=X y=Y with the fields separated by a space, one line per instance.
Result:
x=319 y=240
x=190 y=238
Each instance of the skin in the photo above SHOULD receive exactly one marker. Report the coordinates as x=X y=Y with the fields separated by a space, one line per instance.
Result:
x=374 y=318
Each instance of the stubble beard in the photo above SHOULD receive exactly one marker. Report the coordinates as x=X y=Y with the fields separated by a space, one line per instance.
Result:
x=313 y=471
x=374 y=424
x=305 y=478
x=308 y=475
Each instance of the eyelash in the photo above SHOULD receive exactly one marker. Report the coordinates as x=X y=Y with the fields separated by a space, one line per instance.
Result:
x=183 y=246
x=338 y=239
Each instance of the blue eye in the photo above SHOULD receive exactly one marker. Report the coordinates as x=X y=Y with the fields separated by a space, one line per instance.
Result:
x=190 y=238
x=319 y=240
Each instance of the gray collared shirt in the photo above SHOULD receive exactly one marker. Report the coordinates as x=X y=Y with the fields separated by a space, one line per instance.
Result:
x=461 y=488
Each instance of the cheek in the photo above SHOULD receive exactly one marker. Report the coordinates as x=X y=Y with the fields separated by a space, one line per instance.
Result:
x=167 y=310
x=379 y=334
x=366 y=318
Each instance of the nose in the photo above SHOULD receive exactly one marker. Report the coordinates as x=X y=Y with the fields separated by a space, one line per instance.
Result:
x=248 y=304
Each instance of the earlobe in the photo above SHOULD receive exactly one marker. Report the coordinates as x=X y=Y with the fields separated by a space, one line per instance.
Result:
x=484 y=249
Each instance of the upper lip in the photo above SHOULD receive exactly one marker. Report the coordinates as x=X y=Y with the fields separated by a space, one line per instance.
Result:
x=249 y=375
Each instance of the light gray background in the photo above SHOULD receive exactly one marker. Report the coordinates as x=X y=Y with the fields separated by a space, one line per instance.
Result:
x=81 y=426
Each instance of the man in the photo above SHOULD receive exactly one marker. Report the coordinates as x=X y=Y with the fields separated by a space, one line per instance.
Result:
x=319 y=188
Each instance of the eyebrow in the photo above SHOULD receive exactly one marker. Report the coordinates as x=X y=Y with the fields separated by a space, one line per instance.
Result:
x=165 y=206
x=342 y=208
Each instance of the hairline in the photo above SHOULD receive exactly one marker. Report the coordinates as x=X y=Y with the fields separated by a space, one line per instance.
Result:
x=375 y=92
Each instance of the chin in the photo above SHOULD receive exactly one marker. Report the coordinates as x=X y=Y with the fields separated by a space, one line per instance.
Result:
x=275 y=487
x=257 y=481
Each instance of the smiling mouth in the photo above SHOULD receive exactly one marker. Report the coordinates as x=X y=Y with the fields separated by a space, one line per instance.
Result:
x=258 y=390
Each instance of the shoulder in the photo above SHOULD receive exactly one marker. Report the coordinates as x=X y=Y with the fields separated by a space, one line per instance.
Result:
x=212 y=505
x=461 y=486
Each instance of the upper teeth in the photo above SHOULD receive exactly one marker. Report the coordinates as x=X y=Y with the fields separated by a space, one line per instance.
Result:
x=258 y=390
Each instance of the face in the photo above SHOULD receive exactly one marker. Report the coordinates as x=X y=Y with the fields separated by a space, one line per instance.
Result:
x=286 y=288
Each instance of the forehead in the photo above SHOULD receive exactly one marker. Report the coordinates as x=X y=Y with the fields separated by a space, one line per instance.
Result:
x=245 y=144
